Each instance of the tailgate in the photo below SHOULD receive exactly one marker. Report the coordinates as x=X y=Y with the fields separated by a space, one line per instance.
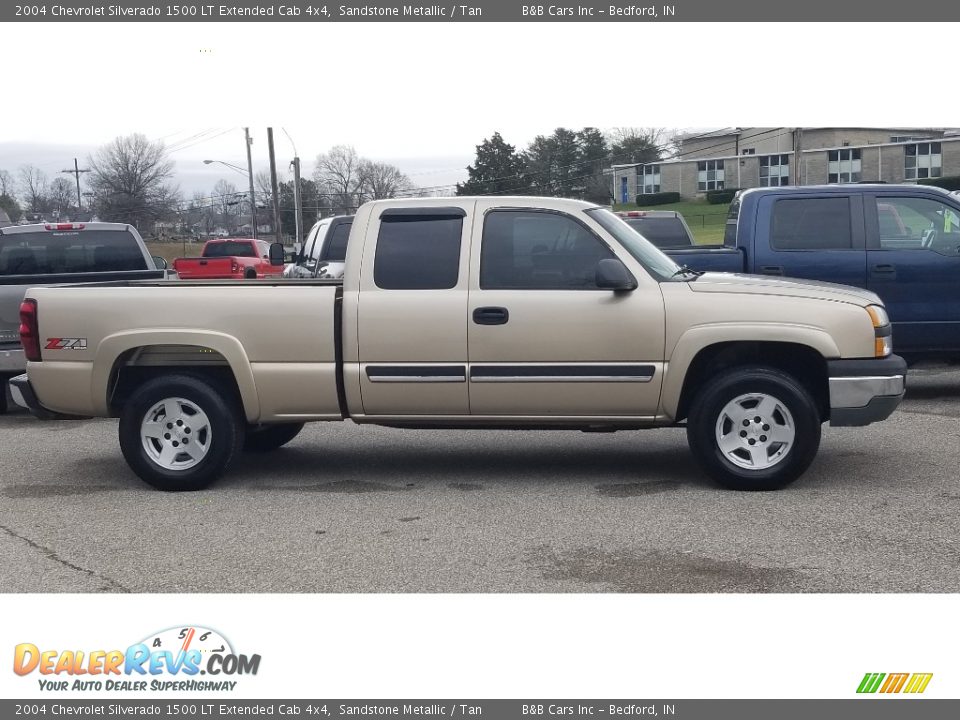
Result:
x=205 y=267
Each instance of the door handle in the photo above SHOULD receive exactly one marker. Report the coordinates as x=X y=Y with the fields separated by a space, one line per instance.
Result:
x=771 y=269
x=884 y=269
x=491 y=315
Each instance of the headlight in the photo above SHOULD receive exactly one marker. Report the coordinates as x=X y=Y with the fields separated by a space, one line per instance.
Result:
x=883 y=333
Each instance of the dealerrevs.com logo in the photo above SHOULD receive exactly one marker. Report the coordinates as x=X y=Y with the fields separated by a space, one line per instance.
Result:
x=892 y=683
x=179 y=659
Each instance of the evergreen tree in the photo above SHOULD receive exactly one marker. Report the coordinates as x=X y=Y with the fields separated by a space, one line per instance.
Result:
x=497 y=170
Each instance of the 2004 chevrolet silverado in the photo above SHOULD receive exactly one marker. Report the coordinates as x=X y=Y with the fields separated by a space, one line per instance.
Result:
x=468 y=313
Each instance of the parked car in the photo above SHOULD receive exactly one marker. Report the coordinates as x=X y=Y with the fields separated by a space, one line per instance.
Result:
x=663 y=228
x=233 y=259
x=487 y=312
x=61 y=253
x=324 y=249
x=899 y=241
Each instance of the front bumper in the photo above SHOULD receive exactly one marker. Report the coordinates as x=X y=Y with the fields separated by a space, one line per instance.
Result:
x=23 y=395
x=12 y=360
x=865 y=391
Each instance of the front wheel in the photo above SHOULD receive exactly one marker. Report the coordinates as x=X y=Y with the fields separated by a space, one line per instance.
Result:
x=754 y=428
x=271 y=437
x=179 y=433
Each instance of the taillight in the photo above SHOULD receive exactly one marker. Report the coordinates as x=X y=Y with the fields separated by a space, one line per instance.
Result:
x=29 y=332
x=234 y=267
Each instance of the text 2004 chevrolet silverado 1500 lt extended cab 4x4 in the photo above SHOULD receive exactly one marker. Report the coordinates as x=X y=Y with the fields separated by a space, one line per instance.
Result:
x=473 y=313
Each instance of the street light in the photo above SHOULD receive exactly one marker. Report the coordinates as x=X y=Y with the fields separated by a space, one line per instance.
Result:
x=249 y=173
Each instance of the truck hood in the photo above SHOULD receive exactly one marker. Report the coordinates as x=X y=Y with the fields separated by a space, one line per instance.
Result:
x=791 y=287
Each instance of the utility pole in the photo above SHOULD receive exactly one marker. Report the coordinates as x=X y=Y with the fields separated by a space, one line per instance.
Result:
x=253 y=199
x=76 y=172
x=297 y=203
x=273 y=184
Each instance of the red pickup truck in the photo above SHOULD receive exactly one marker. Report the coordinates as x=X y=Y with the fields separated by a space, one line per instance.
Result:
x=234 y=258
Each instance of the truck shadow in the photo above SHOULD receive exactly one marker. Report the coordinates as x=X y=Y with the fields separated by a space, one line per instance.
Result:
x=612 y=472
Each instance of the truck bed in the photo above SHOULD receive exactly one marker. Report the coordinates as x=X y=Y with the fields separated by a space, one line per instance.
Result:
x=714 y=258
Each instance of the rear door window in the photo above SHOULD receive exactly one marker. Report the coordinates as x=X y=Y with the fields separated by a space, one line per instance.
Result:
x=60 y=252
x=418 y=252
x=811 y=224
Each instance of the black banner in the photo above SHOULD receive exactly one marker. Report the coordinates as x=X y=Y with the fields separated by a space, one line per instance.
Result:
x=486 y=11
x=210 y=709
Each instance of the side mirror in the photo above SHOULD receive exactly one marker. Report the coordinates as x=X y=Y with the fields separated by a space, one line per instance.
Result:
x=276 y=254
x=613 y=275
x=159 y=262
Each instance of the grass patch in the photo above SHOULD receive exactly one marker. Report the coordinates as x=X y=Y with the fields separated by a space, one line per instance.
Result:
x=170 y=251
x=706 y=221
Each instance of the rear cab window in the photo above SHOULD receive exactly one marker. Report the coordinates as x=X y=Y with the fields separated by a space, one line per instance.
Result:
x=230 y=248
x=63 y=252
x=664 y=232
x=336 y=250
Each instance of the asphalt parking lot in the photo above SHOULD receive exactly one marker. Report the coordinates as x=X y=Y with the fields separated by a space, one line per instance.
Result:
x=346 y=508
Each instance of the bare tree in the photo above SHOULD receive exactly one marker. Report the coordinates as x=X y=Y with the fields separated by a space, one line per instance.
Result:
x=6 y=183
x=33 y=188
x=62 y=195
x=338 y=175
x=130 y=179
x=225 y=199
x=379 y=180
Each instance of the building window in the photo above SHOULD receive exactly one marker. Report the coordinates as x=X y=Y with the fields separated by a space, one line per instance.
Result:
x=649 y=178
x=709 y=175
x=922 y=160
x=774 y=170
x=907 y=138
x=844 y=166
x=748 y=151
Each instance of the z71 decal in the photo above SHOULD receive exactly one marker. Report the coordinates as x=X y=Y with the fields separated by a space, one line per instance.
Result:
x=66 y=344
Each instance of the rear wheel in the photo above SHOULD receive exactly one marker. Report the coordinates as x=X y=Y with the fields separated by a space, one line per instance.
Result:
x=3 y=396
x=250 y=274
x=270 y=437
x=754 y=428
x=179 y=432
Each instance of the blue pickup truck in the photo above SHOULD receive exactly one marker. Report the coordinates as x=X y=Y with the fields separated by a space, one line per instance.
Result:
x=900 y=241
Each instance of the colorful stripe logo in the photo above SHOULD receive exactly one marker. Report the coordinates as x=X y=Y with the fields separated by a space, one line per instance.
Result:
x=913 y=683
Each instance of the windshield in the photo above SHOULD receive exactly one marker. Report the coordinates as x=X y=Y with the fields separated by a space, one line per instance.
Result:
x=654 y=261
x=243 y=248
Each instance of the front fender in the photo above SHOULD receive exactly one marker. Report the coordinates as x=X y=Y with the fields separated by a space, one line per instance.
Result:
x=700 y=337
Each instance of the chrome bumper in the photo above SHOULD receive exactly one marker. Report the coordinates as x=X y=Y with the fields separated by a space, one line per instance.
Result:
x=865 y=391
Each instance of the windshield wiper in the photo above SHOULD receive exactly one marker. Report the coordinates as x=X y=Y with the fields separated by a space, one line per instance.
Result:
x=686 y=270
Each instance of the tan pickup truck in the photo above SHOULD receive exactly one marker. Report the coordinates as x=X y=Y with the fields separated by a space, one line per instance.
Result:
x=487 y=312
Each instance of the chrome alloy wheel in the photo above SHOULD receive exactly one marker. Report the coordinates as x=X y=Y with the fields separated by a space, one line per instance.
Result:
x=755 y=431
x=175 y=434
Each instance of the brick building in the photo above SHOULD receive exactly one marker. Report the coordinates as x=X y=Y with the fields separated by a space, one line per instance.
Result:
x=759 y=157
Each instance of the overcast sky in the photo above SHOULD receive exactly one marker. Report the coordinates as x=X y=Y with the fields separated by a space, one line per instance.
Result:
x=419 y=95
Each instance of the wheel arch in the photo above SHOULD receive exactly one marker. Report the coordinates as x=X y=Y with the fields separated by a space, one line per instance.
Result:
x=693 y=363
x=126 y=359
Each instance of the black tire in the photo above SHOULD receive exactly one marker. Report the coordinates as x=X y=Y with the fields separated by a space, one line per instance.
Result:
x=705 y=416
x=3 y=396
x=250 y=274
x=270 y=437
x=223 y=437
